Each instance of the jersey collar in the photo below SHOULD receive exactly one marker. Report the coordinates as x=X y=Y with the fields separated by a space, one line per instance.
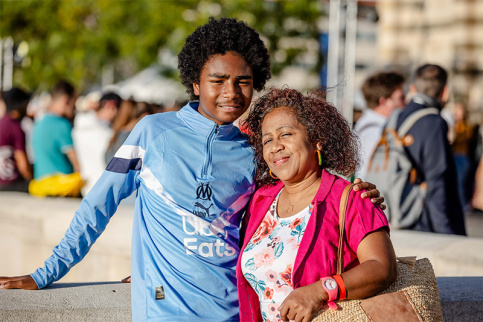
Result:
x=197 y=122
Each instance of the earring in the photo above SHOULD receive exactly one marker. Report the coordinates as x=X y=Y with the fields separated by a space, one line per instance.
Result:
x=319 y=157
x=272 y=175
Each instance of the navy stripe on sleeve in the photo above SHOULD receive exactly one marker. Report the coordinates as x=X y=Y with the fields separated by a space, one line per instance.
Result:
x=121 y=165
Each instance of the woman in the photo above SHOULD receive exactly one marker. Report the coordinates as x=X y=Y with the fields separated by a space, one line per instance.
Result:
x=291 y=228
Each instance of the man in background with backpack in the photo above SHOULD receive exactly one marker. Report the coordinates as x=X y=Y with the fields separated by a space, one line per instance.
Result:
x=384 y=93
x=431 y=155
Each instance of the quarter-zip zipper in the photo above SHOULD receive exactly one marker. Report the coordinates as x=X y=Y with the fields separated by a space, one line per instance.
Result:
x=209 y=141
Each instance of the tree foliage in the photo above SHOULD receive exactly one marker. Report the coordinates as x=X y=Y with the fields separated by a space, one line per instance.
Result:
x=76 y=39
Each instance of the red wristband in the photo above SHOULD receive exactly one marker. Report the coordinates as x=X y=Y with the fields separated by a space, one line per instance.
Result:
x=342 y=289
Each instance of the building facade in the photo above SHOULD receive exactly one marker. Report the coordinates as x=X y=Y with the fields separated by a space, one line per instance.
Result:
x=444 y=32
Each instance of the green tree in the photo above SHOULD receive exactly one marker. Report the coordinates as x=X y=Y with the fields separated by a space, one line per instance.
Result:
x=76 y=39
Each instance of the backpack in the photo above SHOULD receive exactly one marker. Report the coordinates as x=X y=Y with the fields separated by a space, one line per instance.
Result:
x=391 y=169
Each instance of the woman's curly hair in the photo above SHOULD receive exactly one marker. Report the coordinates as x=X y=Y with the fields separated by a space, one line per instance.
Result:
x=219 y=37
x=323 y=123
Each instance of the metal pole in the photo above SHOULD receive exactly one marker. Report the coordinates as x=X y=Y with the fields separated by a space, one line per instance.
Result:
x=350 y=59
x=333 y=54
x=8 y=64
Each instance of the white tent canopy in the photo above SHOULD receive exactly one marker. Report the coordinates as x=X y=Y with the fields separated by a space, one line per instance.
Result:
x=151 y=86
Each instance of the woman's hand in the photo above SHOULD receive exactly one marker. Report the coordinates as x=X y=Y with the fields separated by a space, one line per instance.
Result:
x=25 y=282
x=302 y=303
x=373 y=193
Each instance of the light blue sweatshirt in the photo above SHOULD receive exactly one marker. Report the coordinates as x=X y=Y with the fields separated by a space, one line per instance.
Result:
x=193 y=180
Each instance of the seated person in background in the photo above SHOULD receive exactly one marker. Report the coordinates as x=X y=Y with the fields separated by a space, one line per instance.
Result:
x=291 y=229
x=91 y=135
x=15 y=169
x=56 y=169
x=130 y=113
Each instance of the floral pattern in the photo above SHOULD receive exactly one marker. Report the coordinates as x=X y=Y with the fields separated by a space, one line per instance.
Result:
x=268 y=258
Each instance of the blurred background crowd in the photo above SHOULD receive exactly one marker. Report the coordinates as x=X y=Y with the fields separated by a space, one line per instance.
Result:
x=76 y=76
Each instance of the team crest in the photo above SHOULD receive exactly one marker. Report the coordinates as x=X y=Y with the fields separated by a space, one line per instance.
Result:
x=203 y=201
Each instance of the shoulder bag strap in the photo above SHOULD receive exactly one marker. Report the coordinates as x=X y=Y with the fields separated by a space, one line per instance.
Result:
x=392 y=120
x=344 y=199
x=413 y=118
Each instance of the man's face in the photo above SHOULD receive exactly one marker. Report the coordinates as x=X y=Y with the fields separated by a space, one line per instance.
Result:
x=397 y=99
x=69 y=107
x=225 y=89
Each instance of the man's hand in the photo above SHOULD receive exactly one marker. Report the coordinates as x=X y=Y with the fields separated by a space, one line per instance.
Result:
x=373 y=193
x=302 y=303
x=25 y=282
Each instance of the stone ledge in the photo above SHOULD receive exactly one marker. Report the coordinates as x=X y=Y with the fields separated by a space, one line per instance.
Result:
x=461 y=300
x=68 y=302
x=450 y=255
x=31 y=227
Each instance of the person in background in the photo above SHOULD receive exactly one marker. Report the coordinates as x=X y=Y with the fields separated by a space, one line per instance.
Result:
x=477 y=200
x=291 y=229
x=15 y=169
x=130 y=113
x=431 y=154
x=56 y=168
x=463 y=143
x=384 y=93
x=91 y=135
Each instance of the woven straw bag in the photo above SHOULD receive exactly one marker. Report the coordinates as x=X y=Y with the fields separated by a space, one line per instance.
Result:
x=413 y=297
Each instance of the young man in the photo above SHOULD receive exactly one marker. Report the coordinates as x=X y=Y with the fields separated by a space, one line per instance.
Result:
x=56 y=168
x=193 y=171
x=384 y=93
x=15 y=169
x=431 y=154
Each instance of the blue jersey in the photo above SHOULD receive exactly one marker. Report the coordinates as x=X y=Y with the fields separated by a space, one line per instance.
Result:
x=193 y=180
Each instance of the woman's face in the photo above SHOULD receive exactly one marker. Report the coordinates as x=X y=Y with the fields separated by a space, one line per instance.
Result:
x=286 y=146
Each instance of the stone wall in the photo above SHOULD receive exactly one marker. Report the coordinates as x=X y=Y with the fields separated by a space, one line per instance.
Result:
x=31 y=227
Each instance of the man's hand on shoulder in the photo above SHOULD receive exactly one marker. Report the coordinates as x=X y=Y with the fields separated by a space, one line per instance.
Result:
x=373 y=193
x=25 y=282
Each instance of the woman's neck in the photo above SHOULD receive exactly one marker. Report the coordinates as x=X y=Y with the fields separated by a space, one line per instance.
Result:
x=298 y=195
x=303 y=185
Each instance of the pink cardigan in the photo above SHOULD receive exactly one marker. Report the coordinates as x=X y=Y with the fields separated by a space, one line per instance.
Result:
x=317 y=254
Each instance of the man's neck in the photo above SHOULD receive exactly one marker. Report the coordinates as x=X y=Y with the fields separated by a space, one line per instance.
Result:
x=382 y=110
x=55 y=112
x=426 y=100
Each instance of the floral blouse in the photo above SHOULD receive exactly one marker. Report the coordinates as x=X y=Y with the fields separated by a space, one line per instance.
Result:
x=269 y=256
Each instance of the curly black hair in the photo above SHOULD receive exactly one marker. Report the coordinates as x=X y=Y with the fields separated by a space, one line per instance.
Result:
x=219 y=37
x=323 y=123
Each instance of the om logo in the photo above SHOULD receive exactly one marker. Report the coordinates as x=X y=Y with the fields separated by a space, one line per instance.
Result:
x=202 y=207
x=204 y=192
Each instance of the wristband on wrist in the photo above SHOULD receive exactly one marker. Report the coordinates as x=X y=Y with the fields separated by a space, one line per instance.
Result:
x=342 y=289
x=331 y=287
